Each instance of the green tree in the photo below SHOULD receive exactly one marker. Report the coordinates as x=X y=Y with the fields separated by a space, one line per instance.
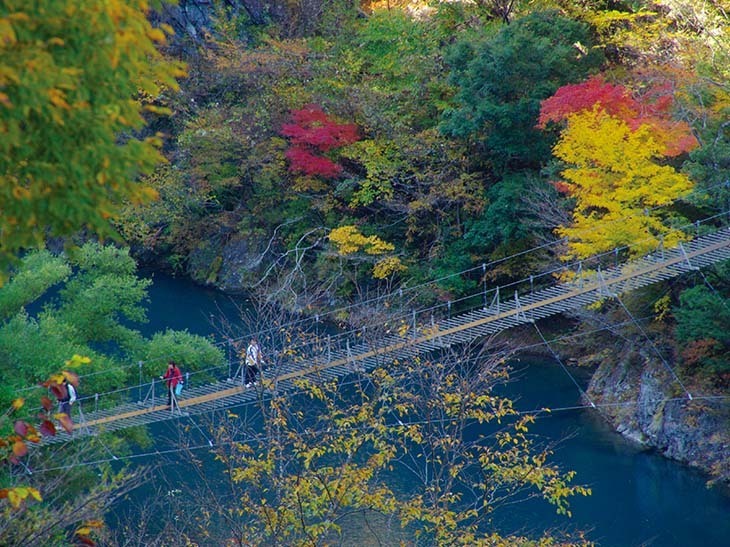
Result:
x=75 y=81
x=86 y=304
x=391 y=71
x=509 y=223
x=709 y=164
x=702 y=319
x=502 y=80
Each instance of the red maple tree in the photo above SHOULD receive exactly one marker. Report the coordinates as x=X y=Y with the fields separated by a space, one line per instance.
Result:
x=652 y=107
x=311 y=134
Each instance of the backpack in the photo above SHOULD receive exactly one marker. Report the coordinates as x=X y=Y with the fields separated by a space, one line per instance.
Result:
x=180 y=382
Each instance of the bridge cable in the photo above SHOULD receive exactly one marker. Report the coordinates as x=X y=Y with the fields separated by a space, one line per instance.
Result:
x=606 y=327
x=545 y=412
x=653 y=346
x=658 y=353
x=390 y=295
x=562 y=365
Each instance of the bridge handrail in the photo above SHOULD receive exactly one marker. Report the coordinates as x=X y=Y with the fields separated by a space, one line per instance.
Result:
x=485 y=297
x=416 y=338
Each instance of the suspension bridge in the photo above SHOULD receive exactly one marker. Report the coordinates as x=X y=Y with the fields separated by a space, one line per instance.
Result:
x=418 y=332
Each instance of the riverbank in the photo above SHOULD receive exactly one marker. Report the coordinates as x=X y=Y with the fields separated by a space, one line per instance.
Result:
x=642 y=396
x=644 y=400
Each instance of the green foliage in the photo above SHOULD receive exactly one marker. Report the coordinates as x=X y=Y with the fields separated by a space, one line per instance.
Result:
x=507 y=225
x=423 y=178
x=391 y=70
x=37 y=273
x=702 y=328
x=190 y=351
x=396 y=49
x=33 y=348
x=211 y=149
x=709 y=165
x=702 y=314
x=74 y=77
x=508 y=217
x=90 y=314
x=502 y=80
x=383 y=162
x=103 y=294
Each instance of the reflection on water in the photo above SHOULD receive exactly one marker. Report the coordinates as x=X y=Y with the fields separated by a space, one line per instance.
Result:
x=639 y=498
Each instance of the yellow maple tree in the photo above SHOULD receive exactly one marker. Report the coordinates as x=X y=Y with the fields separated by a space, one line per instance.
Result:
x=618 y=181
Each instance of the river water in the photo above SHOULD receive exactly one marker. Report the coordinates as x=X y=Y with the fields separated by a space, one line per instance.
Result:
x=639 y=498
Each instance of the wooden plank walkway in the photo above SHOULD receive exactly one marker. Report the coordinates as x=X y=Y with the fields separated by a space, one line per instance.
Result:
x=352 y=354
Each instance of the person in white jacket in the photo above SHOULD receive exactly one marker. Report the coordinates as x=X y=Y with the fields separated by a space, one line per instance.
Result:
x=253 y=362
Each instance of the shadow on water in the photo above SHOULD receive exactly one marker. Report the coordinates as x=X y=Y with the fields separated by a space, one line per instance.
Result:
x=639 y=498
x=179 y=304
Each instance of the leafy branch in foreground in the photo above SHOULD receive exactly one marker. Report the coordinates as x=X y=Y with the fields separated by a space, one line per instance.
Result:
x=417 y=453
x=74 y=76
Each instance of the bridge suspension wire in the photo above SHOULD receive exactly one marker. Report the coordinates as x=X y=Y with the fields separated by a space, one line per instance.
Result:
x=566 y=267
x=606 y=327
x=613 y=252
x=416 y=339
x=556 y=242
x=516 y=349
x=542 y=413
x=654 y=348
x=547 y=274
x=565 y=369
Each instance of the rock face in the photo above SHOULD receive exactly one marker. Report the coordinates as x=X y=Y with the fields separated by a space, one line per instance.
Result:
x=190 y=19
x=241 y=261
x=193 y=20
x=231 y=266
x=653 y=409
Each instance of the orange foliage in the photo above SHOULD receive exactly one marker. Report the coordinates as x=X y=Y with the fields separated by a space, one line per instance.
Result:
x=699 y=350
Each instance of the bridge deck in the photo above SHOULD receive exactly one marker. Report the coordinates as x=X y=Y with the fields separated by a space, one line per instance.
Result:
x=485 y=320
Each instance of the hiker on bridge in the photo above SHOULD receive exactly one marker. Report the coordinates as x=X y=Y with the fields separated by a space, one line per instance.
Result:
x=68 y=397
x=173 y=377
x=253 y=361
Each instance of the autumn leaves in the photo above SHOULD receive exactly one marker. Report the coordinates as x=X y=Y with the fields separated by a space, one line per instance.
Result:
x=614 y=146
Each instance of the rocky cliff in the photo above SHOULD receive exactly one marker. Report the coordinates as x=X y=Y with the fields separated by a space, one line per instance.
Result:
x=648 y=405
